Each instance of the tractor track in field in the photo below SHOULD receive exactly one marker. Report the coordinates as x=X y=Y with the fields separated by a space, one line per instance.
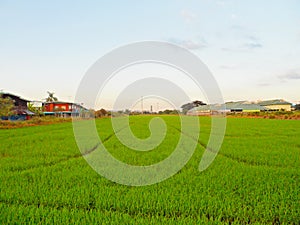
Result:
x=91 y=206
x=236 y=159
x=77 y=156
x=80 y=155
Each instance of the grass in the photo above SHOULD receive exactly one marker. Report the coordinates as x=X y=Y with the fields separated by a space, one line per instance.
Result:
x=35 y=121
x=254 y=179
x=283 y=115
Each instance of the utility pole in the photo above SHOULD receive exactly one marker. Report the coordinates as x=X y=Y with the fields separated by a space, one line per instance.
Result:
x=142 y=105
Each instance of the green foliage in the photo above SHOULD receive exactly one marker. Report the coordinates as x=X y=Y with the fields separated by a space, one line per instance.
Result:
x=6 y=106
x=37 y=110
x=36 y=120
x=101 y=113
x=253 y=180
x=186 y=107
x=51 y=97
x=169 y=112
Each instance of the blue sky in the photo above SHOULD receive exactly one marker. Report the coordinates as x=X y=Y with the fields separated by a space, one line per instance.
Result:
x=251 y=47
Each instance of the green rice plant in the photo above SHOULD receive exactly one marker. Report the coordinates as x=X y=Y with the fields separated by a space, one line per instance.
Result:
x=254 y=179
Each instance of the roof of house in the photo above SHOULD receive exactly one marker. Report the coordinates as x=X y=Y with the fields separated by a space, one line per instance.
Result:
x=28 y=112
x=12 y=96
x=201 y=108
x=214 y=107
x=244 y=105
x=274 y=102
x=25 y=112
x=247 y=107
x=61 y=102
x=230 y=105
x=58 y=102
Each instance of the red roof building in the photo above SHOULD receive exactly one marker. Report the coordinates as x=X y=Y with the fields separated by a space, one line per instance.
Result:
x=59 y=108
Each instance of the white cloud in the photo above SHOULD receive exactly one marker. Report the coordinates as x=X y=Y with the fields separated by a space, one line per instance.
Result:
x=233 y=49
x=227 y=67
x=253 y=45
x=246 y=44
x=221 y=3
x=233 y=16
x=188 y=16
x=264 y=84
x=188 y=43
x=252 y=42
x=291 y=75
x=237 y=28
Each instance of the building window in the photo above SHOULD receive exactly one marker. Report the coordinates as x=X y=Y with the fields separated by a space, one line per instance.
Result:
x=62 y=107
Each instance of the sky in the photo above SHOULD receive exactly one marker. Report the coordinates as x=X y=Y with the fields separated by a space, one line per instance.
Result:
x=252 y=48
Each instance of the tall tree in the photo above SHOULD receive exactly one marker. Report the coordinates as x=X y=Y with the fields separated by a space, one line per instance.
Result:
x=51 y=97
x=6 y=106
x=186 y=107
x=100 y=113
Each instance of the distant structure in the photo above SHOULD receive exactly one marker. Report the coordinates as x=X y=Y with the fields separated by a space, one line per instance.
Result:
x=276 y=105
x=21 y=111
x=63 y=109
x=142 y=105
x=241 y=107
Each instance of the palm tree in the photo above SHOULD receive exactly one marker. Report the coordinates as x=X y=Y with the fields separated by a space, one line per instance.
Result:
x=51 y=97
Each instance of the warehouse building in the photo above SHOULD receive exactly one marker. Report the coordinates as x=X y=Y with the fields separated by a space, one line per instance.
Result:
x=276 y=105
x=228 y=107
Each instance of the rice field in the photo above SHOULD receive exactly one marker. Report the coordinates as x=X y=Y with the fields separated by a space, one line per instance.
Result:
x=255 y=178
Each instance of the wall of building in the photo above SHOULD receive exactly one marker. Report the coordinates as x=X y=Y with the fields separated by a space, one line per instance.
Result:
x=279 y=107
x=51 y=107
x=251 y=110
x=199 y=113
